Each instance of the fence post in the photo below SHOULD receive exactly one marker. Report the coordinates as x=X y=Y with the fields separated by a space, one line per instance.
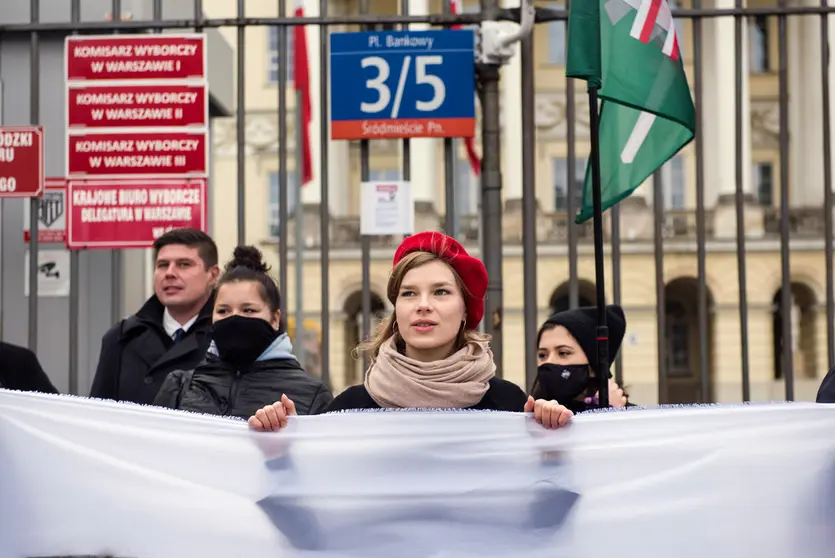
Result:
x=491 y=193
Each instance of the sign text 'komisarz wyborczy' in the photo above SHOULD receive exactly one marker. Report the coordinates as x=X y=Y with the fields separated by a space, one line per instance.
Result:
x=127 y=106
x=135 y=57
x=126 y=155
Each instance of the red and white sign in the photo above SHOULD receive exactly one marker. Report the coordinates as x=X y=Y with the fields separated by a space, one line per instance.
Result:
x=128 y=155
x=137 y=110
x=116 y=214
x=137 y=106
x=52 y=213
x=135 y=57
x=21 y=161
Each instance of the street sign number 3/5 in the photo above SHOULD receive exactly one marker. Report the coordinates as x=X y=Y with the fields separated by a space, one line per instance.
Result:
x=378 y=83
x=402 y=84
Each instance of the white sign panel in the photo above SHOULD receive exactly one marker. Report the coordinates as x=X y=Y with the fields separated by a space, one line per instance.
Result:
x=53 y=273
x=387 y=208
x=52 y=214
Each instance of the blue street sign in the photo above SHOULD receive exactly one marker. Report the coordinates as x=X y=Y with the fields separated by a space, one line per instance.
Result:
x=402 y=84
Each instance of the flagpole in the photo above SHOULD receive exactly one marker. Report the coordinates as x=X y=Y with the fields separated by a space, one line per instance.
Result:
x=600 y=284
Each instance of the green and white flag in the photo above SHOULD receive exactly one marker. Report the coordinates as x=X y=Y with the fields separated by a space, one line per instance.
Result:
x=629 y=50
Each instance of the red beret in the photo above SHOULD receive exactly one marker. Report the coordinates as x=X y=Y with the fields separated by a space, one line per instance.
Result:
x=471 y=270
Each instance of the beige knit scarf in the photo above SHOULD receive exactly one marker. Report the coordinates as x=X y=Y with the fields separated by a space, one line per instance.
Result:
x=456 y=382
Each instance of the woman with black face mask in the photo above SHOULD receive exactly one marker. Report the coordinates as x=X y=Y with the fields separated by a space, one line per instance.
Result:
x=567 y=356
x=250 y=362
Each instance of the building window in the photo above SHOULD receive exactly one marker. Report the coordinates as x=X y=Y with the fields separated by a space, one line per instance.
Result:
x=763 y=175
x=274 y=54
x=678 y=340
x=274 y=205
x=758 y=35
x=556 y=38
x=384 y=175
x=561 y=178
x=674 y=181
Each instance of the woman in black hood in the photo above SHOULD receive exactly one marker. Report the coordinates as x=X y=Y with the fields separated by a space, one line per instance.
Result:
x=567 y=358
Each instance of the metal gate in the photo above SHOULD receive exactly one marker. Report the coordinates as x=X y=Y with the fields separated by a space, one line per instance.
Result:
x=706 y=339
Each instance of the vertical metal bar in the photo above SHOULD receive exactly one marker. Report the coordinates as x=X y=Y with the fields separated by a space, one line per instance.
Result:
x=75 y=256
x=452 y=224
x=406 y=169
x=739 y=202
x=491 y=195
x=2 y=236
x=34 y=203
x=241 y=123
x=198 y=13
x=324 y=207
x=785 y=289
x=116 y=255
x=283 y=209
x=156 y=11
x=529 y=245
x=827 y=190
x=298 y=263
x=616 y=283
x=570 y=184
x=452 y=221
x=660 y=298
x=701 y=225
x=365 y=240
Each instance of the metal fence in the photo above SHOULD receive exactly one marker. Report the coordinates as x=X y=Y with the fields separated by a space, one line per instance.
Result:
x=781 y=221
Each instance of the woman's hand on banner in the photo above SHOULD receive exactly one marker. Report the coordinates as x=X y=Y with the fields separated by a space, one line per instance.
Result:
x=273 y=417
x=549 y=414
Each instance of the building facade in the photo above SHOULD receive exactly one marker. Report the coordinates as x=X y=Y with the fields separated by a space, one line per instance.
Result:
x=761 y=160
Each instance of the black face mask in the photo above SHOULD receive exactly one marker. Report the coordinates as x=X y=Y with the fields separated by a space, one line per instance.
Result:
x=565 y=383
x=241 y=340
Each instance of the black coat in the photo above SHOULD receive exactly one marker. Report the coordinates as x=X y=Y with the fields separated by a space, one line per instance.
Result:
x=501 y=396
x=137 y=354
x=217 y=388
x=20 y=370
x=826 y=392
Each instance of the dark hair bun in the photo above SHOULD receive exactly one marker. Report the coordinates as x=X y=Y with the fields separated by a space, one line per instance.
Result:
x=249 y=257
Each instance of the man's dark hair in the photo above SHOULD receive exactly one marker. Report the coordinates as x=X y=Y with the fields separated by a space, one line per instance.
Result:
x=193 y=238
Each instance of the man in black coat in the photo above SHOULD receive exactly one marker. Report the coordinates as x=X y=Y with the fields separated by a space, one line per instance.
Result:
x=171 y=331
x=20 y=370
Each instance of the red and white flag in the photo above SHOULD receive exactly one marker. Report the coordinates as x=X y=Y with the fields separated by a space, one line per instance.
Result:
x=469 y=143
x=301 y=83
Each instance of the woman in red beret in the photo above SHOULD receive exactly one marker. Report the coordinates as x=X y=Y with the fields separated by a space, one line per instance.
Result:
x=428 y=354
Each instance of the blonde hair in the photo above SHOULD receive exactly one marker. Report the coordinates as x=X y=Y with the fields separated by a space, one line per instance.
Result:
x=388 y=327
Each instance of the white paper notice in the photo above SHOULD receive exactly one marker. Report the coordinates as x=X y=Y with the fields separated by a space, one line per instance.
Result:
x=387 y=208
x=53 y=273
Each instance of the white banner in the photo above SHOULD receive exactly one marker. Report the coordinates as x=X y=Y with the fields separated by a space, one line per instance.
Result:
x=81 y=477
